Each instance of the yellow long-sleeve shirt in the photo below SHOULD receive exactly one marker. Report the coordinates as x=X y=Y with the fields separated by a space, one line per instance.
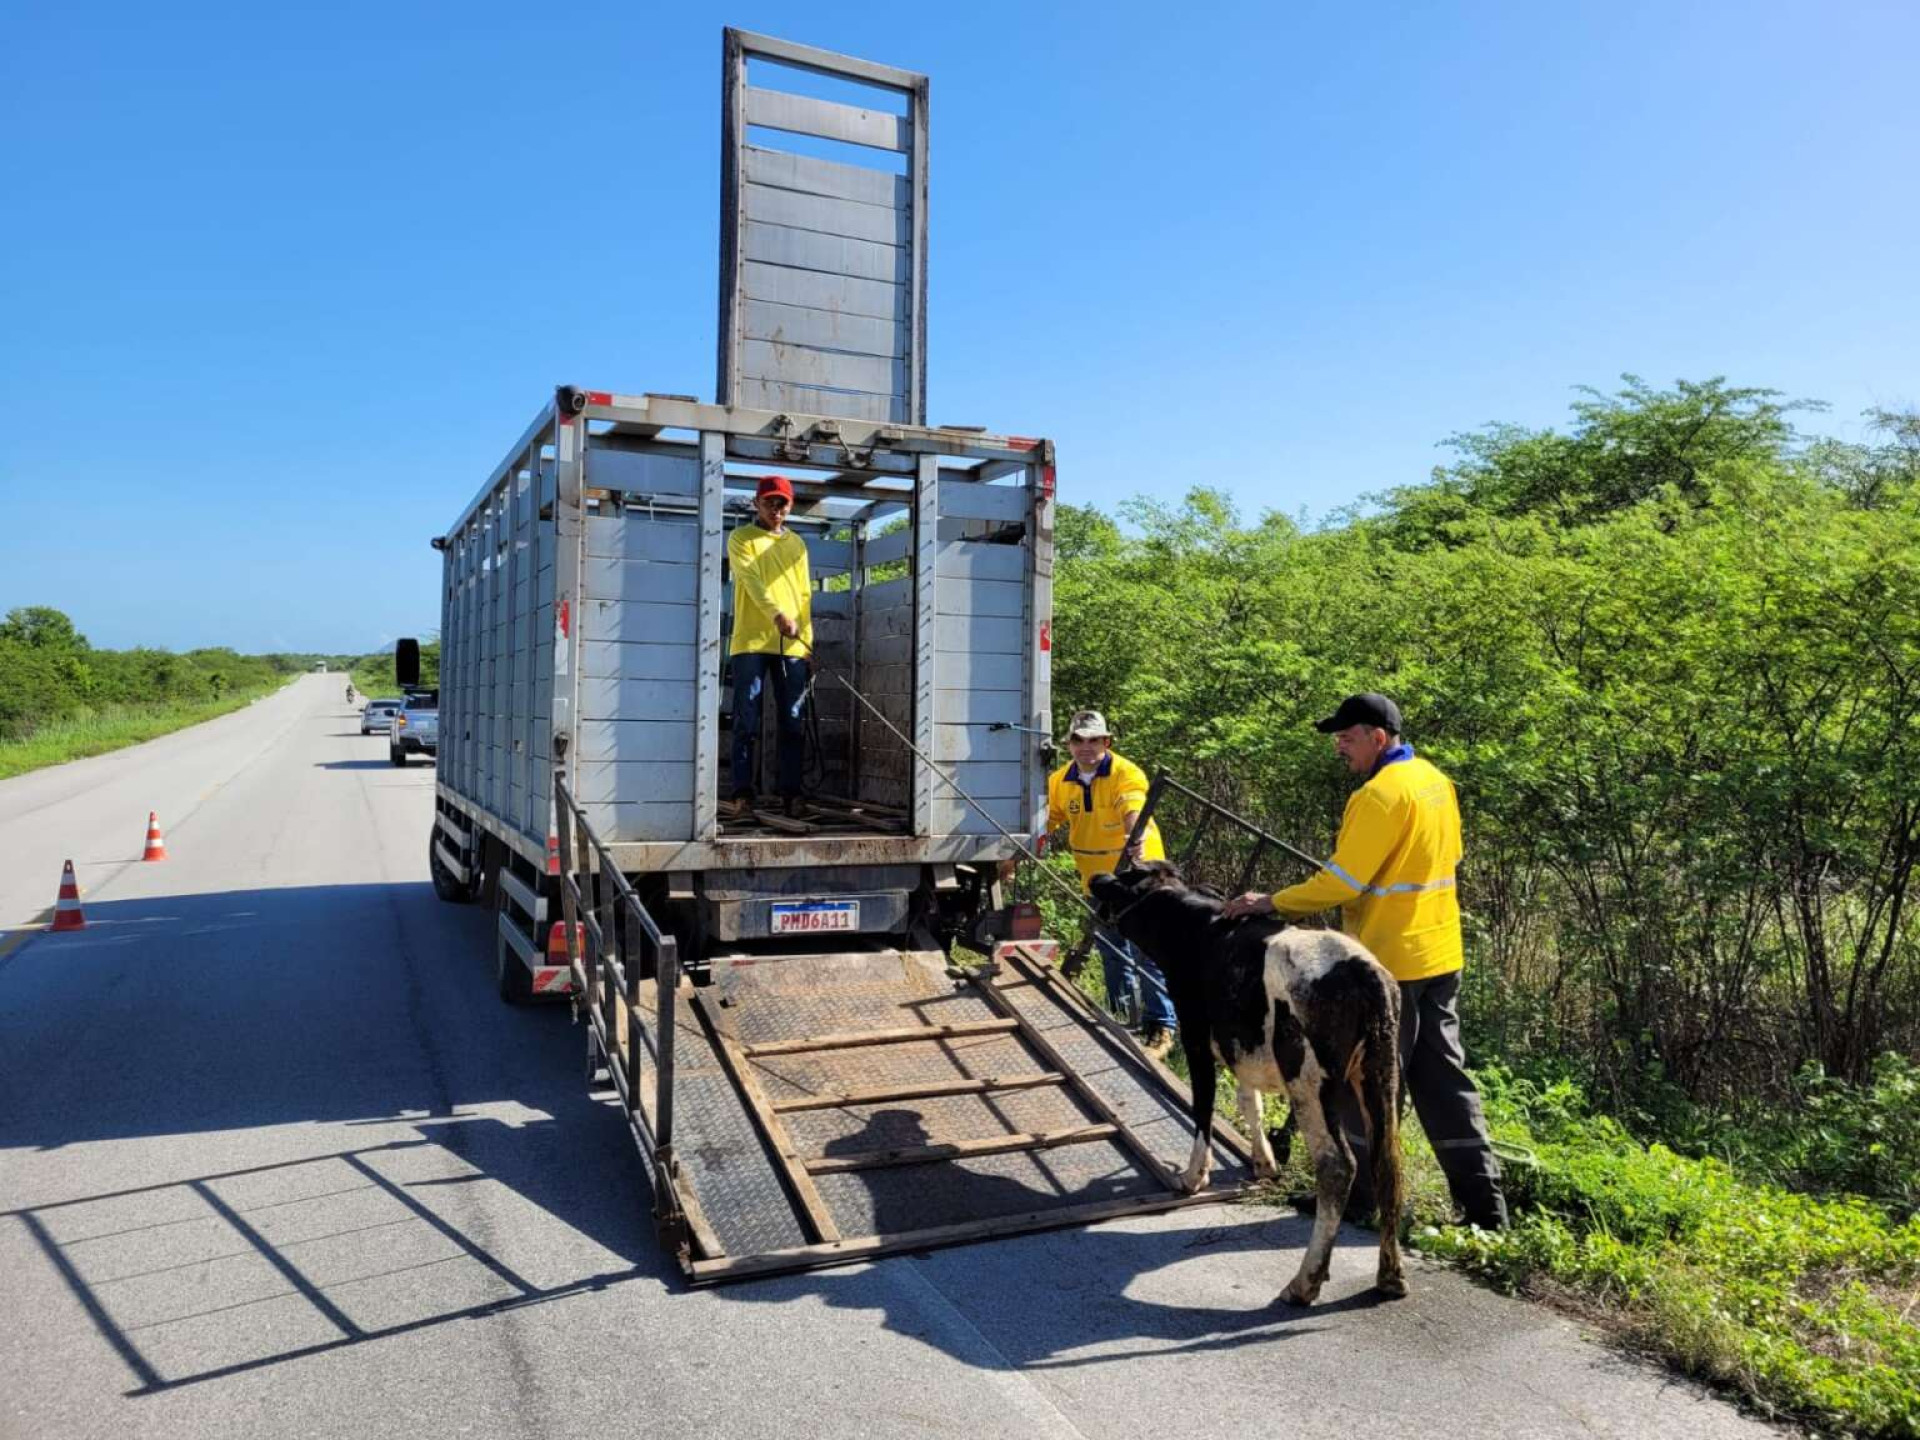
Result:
x=769 y=574
x=1095 y=811
x=1392 y=872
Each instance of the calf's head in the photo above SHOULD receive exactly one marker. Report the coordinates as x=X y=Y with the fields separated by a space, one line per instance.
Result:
x=1153 y=907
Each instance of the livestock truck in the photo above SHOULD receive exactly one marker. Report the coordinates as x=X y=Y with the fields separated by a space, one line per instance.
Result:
x=771 y=997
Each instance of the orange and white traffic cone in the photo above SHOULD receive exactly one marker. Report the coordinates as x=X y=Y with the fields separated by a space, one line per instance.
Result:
x=156 y=842
x=67 y=914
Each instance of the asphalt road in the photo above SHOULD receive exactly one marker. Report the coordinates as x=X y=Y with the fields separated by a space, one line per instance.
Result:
x=274 y=1160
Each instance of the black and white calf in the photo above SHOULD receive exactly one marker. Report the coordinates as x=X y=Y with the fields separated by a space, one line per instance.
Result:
x=1309 y=1011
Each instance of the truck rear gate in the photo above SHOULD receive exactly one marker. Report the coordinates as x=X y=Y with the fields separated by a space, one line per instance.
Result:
x=815 y=1109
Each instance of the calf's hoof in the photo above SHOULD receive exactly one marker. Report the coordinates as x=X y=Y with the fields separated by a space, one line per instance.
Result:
x=1193 y=1181
x=1393 y=1286
x=1300 y=1291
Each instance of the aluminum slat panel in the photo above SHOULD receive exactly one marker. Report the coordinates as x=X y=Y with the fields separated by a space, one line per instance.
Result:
x=977 y=742
x=849 y=218
x=606 y=658
x=656 y=474
x=821 y=329
x=803 y=115
x=982 y=597
x=621 y=823
x=816 y=290
x=971 y=500
x=608 y=698
x=991 y=635
x=834 y=369
x=831 y=254
x=810 y=400
x=652 y=782
x=641 y=623
x=972 y=560
x=979 y=707
x=983 y=672
x=813 y=176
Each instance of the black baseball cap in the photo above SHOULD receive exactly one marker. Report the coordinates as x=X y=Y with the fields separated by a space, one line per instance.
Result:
x=1368 y=709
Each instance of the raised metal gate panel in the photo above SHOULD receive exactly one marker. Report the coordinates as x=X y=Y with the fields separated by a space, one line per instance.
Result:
x=823 y=276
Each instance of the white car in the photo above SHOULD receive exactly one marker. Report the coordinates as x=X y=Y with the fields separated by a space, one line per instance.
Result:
x=377 y=716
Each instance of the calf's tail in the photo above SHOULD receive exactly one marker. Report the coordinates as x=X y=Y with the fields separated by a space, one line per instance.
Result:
x=1380 y=1101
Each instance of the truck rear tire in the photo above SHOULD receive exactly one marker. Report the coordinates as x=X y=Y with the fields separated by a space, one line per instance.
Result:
x=396 y=755
x=509 y=975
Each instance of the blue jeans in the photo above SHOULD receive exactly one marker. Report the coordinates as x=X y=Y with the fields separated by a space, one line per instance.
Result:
x=751 y=674
x=1135 y=985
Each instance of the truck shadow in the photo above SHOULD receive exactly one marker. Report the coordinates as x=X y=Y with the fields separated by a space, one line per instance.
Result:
x=447 y=1161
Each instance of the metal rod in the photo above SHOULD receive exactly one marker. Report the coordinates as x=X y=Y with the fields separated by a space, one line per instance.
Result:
x=1253 y=864
x=1164 y=780
x=633 y=948
x=667 y=987
x=1199 y=834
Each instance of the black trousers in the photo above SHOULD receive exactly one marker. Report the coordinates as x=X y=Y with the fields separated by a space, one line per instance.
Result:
x=1433 y=1075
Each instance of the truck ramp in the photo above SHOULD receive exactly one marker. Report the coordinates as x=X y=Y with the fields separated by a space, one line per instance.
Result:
x=835 y=1107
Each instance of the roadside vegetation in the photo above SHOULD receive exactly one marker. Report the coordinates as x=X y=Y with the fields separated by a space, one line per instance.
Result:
x=1671 y=656
x=61 y=699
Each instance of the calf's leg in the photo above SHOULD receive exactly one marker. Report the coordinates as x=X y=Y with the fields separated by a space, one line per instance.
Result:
x=1310 y=1092
x=1201 y=1072
x=1264 y=1167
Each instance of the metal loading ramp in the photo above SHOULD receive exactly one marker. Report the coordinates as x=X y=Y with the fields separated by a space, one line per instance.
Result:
x=830 y=1108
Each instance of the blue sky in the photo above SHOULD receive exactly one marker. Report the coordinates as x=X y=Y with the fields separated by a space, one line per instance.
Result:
x=279 y=285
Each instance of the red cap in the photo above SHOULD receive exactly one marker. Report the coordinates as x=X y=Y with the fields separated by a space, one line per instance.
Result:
x=774 y=485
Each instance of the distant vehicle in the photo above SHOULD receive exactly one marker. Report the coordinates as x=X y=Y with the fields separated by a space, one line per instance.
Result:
x=378 y=715
x=416 y=726
x=319 y=667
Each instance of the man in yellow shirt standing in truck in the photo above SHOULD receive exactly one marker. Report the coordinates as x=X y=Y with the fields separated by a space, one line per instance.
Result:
x=772 y=640
x=1393 y=877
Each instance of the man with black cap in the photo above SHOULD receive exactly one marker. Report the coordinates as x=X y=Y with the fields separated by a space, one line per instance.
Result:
x=1392 y=875
x=772 y=638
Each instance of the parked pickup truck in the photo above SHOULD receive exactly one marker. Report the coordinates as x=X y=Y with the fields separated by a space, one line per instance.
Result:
x=416 y=726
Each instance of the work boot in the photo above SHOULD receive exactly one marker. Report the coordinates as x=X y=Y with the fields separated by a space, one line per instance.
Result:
x=1482 y=1202
x=1157 y=1041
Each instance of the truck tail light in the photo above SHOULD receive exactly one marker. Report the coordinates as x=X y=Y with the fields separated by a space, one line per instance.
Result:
x=1024 y=921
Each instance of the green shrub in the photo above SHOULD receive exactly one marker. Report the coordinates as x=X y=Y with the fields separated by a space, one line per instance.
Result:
x=1801 y=1303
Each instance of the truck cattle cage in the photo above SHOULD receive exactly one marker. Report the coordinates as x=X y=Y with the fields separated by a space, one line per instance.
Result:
x=770 y=995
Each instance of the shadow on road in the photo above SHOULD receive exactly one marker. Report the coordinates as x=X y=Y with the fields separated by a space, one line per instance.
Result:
x=380 y=764
x=489 y=1178
x=259 y=1031
x=1073 y=1298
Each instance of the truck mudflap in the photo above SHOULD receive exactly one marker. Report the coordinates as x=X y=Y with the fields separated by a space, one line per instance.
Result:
x=830 y=1108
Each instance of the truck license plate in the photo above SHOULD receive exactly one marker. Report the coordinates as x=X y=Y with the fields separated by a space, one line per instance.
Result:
x=816 y=917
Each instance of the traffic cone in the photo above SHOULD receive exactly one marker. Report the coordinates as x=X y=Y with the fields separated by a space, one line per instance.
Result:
x=66 y=911
x=156 y=842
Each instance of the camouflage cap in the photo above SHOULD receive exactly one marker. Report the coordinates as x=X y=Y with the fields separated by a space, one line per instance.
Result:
x=1089 y=725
